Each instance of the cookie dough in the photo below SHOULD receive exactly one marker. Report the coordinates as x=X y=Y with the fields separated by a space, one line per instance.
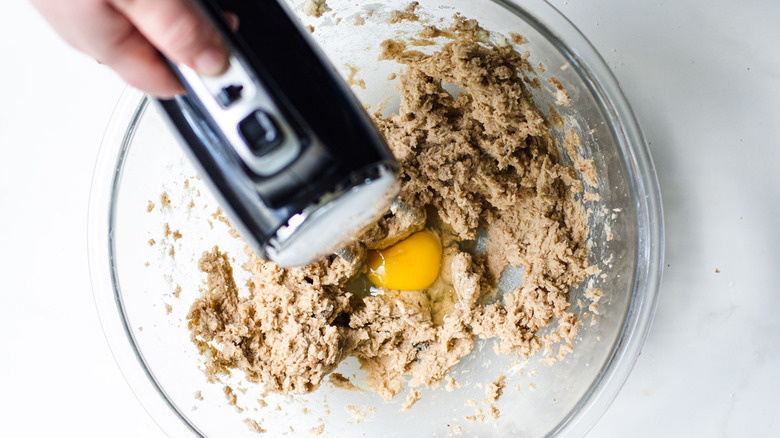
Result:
x=482 y=161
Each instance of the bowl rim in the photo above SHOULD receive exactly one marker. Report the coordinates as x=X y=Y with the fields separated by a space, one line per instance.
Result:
x=106 y=290
x=602 y=84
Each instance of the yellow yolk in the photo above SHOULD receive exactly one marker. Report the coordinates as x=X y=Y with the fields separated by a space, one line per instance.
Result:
x=411 y=264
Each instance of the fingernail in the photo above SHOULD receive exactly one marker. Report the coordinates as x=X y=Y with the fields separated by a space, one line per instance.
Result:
x=211 y=62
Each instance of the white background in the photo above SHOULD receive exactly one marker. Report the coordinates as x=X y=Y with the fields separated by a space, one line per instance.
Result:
x=704 y=80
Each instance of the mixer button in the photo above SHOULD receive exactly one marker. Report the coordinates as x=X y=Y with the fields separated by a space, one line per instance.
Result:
x=261 y=133
x=229 y=95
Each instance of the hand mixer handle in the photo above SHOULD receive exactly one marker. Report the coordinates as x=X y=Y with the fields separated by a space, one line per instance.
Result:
x=279 y=133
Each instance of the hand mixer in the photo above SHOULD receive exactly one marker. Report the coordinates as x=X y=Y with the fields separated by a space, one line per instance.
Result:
x=292 y=157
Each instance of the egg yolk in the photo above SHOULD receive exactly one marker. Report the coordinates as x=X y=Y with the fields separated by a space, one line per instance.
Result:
x=411 y=264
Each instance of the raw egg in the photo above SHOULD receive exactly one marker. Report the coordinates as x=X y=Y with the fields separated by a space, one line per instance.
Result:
x=411 y=264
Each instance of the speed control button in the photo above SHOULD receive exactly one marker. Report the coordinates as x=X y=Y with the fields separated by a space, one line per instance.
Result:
x=229 y=95
x=261 y=133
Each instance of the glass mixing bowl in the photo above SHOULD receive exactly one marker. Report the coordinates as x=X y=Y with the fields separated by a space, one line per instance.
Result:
x=150 y=219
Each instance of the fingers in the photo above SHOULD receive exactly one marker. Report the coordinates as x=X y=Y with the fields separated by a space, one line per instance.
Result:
x=126 y=35
x=232 y=20
x=180 y=31
x=140 y=65
x=99 y=30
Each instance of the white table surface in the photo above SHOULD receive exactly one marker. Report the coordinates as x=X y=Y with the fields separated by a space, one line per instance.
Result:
x=704 y=80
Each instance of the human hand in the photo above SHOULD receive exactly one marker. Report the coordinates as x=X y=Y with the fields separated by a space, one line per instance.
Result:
x=126 y=35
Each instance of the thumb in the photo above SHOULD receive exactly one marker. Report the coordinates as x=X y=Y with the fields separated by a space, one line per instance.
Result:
x=179 y=31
